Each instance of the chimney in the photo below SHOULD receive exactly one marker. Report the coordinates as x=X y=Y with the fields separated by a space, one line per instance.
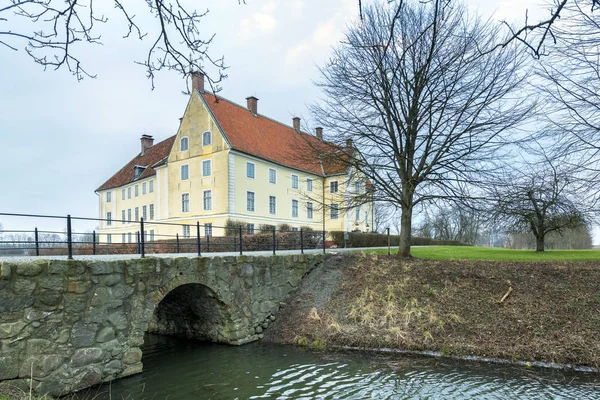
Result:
x=198 y=81
x=319 y=132
x=252 y=104
x=147 y=142
x=349 y=143
x=296 y=121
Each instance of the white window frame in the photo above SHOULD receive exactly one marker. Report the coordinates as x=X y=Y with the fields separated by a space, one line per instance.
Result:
x=357 y=214
x=274 y=212
x=108 y=238
x=274 y=171
x=129 y=215
x=123 y=194
x=123 y=217
x=337 y=187
x=152 y=235
x=309 y=185
x=129 y=192
x=129 y=236
x=204 y=142
x=144 y=187
x=183 y=210
x=145 y=212
x=309 y=210
x=137 y=214
x=108 y=196
x=248 y=163
x=187 y=143
x=250 y=229
x=151 y=212
x=209 y=162
x=137 y=190
x=186 y=231
x=295 y=181
x=334 y=207
x=108 y=218
x=151 y=188
x=204 y=200
x=208 y=229
x=187 y=168
x=123 y=238
x=295 y=206
x=253 y=201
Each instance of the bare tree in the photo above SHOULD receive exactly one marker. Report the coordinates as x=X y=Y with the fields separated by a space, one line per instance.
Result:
x=451 y=223
x=541 y=198
x=425 y=105
x=51 y=33
x=570 y=86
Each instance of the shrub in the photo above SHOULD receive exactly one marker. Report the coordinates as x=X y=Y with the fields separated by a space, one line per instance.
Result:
x=359 y=239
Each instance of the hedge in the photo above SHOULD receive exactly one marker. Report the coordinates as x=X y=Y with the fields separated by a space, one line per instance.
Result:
x=358 y=239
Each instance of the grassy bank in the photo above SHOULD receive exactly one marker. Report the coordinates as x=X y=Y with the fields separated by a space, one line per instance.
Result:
x=552 y=313
x=487 y=253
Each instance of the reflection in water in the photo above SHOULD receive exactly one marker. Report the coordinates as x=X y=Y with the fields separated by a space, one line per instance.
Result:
x=181 y=369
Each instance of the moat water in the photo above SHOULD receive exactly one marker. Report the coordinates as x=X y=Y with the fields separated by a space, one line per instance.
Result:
x=182 y=369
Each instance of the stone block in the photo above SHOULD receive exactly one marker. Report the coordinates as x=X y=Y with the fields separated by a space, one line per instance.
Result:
x=118 y=319
x=9 y=367
x=15 y=303
x=5 y=270
x=50 y=298
x=113 y=367
x=63 y=336
x=79 y=287
x=9 y=330
x=42 y=365
x=132 y=356
x=105 y=334
x=29 y=269
x=83 y=334
x=111 y=280
x=39 y=346
x=87 y=356
x=87 y=376
x=75 y=303
x=132 y=370
x=100 y=268
x=24 y=286
x=52 y=282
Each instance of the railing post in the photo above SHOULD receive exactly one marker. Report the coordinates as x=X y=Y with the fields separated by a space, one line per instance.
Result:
x=207 y=241
x=198 y=238
x=142 y=238
x=69 y=239
x=323 y=242
x=137 y=247
x=93 y=242
x=274 y=240
x=241 y=242
x=388 y=234
x=177 y=238
x=301 y=241
x=37 y=243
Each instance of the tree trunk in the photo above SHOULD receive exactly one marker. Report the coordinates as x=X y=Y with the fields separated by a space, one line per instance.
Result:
x=405 y=232
x=539 y=243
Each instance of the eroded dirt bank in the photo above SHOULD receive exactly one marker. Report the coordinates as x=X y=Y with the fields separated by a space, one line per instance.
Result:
x=552 y=313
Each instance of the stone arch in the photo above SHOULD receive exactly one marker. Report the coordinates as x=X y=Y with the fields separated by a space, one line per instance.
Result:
x=191 y=310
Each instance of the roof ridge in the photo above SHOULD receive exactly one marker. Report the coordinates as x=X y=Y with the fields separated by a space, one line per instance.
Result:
x=264 y=116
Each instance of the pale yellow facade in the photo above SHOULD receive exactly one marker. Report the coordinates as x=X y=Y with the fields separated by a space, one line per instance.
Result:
x=204 y=180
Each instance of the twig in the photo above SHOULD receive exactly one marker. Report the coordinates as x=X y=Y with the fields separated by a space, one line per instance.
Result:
x=508 y=292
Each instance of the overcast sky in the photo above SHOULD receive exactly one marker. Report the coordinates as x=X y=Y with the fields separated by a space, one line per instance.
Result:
x=60 y=139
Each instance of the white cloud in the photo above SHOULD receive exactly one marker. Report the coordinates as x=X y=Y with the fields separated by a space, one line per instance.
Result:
x=264 y=22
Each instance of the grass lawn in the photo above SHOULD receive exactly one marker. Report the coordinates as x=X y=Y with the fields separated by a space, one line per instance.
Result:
x=487 y=253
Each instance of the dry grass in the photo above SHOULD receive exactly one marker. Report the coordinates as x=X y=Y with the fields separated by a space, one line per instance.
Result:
x=552 y=314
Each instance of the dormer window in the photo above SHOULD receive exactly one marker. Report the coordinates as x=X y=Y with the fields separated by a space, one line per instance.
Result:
x=138 y=170
x=184 y=144
x=206 y=138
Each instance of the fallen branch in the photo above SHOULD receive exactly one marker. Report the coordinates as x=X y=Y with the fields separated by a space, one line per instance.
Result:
x=508 y=292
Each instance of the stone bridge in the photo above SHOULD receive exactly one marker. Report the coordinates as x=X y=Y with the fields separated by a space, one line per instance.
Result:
x=67 y=325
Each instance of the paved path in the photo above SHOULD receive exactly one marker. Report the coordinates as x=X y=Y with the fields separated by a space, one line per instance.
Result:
x=113 y=257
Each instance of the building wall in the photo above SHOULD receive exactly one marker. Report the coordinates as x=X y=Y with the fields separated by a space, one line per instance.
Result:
x=117 y=205
x=195 y=122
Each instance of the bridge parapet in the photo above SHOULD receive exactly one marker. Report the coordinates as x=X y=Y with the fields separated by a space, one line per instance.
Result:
x=67 y=325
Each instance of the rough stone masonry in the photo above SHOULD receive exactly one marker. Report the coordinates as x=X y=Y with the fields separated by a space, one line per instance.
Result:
x=67 y=325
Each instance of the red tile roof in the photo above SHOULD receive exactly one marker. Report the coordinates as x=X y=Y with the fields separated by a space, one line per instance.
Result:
x=152 y=156
x=265 y=138
x=258 y=136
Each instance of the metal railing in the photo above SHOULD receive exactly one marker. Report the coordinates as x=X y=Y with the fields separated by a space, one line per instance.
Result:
x=140 y=238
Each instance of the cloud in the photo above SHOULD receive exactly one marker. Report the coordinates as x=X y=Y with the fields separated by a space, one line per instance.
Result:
x=264 y=22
